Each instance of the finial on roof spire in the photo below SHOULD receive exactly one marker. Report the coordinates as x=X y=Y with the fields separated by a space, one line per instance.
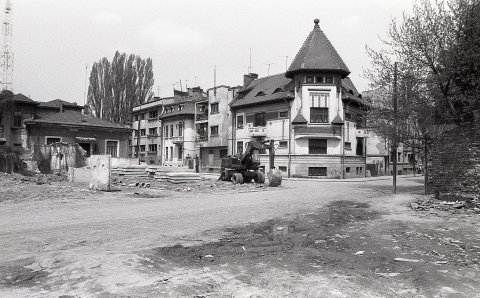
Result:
x=316 y=21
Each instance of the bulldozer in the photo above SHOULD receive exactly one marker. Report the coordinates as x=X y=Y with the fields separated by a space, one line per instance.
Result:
x=245 y=168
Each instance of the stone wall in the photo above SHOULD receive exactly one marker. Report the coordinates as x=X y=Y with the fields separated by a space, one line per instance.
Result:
x=455 y=162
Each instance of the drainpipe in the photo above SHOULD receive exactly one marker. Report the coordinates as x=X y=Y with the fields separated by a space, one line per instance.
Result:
x=234 y=130
x=342 y=139
x=289 y=138
x=138 y=141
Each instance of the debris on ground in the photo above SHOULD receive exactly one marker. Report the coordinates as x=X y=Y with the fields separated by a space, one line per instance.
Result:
x=471 y=204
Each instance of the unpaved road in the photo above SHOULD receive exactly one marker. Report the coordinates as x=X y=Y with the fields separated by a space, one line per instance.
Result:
x=82 y=244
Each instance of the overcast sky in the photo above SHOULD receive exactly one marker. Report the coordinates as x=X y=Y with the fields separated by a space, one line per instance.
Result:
x=53 y=40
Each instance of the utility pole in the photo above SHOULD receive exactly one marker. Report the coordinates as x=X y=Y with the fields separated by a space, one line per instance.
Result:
x=395 y=132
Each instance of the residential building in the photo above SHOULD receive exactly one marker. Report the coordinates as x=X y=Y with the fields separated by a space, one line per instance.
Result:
x=379 y=149
x=164 y=129
x=13 y=132
x=61 y=121
x=213 y=125
x=27 y=123
x=313 y=112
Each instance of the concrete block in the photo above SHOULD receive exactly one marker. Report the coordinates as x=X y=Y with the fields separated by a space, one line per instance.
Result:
x=101 y=173
x=118 y=162
x=79 y=175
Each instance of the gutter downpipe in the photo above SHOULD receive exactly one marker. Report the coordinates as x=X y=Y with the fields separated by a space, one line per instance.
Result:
x=343 y=151
x=234 y=129
x=138 y=141
x=289 y=137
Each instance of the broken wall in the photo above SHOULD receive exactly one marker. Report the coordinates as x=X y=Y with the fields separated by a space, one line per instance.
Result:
x=455 y=162
x=58 y=157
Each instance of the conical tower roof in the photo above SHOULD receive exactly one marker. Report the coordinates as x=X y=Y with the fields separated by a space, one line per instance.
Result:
x=317 y=54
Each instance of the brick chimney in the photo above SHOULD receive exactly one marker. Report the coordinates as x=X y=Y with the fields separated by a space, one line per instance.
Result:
x=86 y=110
x=248 y=78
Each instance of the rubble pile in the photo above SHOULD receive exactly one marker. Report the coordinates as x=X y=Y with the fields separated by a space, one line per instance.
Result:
x=199 y=185
x=471 y=204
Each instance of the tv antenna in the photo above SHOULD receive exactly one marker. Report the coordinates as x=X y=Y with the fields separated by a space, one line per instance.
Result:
x=7 y=54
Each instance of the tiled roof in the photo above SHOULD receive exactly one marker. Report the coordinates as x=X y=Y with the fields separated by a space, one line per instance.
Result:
x=317 y=54
x=57 y=102
x=299 y=119
x=23 y=99
x=72 y=118
x=264 y=90
x=347 y=87
x=187 y=110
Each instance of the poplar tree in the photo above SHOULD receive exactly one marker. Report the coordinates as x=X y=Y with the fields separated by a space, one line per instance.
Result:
x=118 y=86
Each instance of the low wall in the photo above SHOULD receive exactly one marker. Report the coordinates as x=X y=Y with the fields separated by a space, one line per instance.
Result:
x=454 y=168
x=79 y=175
x=115 y=161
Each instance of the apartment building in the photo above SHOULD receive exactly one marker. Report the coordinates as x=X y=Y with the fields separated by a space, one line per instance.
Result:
x=214 y=124
x=164 y=129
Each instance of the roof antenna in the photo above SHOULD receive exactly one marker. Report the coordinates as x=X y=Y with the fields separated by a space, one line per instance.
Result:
x=215 y=80
x=250 y=66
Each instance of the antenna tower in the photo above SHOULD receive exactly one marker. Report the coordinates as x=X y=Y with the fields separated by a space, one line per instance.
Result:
x=7 y=55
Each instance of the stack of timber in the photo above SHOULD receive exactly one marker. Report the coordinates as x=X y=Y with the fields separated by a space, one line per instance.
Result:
x=132 y=170
x=183 y=177
x=161 y=172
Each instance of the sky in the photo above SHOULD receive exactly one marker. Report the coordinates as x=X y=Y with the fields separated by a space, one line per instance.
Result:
x=55 y=42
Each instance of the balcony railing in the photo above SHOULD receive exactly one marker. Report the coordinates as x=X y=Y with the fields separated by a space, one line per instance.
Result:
x=257 y=132
x=177 y=140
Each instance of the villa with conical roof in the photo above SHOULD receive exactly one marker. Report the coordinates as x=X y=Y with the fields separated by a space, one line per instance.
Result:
x=313 y=112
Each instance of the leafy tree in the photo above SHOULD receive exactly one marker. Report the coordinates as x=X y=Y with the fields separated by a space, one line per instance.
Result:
x=437 y=50
x=118 y=86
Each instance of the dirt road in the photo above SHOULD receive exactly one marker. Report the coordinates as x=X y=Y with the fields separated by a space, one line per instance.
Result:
x=71 y=242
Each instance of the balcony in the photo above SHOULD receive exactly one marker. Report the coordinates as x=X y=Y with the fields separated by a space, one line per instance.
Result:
x=177 y=140
x=201 y=138
x=152 y=136
x=317 y=132
x=257 y=132
x=201 y=117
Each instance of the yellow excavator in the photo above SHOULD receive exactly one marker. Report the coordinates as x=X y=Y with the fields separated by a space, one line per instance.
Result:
x=245 y=168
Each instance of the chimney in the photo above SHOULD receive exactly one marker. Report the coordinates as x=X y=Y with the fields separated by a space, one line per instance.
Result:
x=60 y=105
x=86 y=110
x=248 y=78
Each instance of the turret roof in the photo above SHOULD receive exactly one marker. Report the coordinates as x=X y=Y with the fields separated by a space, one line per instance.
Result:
x=317 y=54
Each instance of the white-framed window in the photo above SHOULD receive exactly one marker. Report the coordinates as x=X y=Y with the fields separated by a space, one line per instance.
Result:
x=319 y=107
x=111 y=148
x=240 y=121
x=52 y=139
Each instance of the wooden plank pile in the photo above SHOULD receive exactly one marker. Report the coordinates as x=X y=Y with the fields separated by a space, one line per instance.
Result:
x=161 y=172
